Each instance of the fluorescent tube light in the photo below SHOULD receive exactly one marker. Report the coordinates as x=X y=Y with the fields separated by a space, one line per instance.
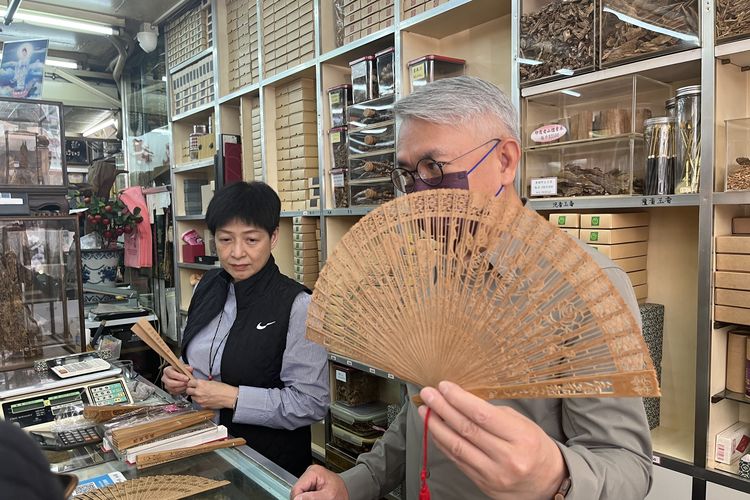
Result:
x=61 y=63
x=64 y=23
x=571 y=92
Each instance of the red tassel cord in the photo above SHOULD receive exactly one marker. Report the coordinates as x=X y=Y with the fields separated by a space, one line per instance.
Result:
x=424 y=490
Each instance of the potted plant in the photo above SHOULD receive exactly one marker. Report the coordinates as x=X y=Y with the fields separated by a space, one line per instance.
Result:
x=105 y=221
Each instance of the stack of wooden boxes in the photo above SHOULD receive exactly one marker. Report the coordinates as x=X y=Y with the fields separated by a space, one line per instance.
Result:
x=732 y=278
x=256 y=138
x=288 y=34
x=623 y=237
x=307 y=251
x=413 y=7
x=193 y=86
x=362 y=18
x=242 y=43
x=296 y=143
x=189 y=34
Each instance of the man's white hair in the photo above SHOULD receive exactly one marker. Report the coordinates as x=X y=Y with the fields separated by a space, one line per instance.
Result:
x=456 y=101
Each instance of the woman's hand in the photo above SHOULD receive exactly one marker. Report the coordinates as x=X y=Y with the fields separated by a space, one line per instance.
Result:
x=212 y=395
x=175 y=382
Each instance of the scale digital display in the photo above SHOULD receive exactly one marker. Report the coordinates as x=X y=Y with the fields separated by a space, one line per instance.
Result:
x=41 y=409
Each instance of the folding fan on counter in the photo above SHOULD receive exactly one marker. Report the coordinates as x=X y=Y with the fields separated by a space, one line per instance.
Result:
x=452 y=285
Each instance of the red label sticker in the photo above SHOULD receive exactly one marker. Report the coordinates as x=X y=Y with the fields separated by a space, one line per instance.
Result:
x=742 y=446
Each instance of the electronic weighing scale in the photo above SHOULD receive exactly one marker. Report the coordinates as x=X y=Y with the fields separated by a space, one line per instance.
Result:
x=33 y=399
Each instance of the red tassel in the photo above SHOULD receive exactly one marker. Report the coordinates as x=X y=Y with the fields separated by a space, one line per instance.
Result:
x=424 y=490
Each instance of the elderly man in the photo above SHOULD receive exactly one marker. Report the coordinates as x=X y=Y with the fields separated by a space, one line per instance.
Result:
x=462 y=133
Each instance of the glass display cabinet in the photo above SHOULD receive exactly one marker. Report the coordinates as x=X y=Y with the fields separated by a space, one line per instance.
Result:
x=41 y=314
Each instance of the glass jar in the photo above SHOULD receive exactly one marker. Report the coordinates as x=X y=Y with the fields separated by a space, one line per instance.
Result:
x=688 y=132
x=737 y=155
x=732 y=21
x=659 y=178
x=670 y=106
x=194 y=138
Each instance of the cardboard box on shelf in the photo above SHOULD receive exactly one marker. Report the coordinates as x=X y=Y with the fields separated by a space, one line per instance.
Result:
x=623 y=250
x=729 y=314
x=741 y=225
x=575 y=233
x=306 y=268
x=631 y=264
x=566 y=220
x=614 y=236
x=306 y=151
x=312 y=204
x=298 y=205
x=734 y=281
x=736 y=298
x=304 y=229
x=637 y=278
x=296 y=141
x=309 y=236
x=733 y=262
x=733 y=244
x=614 y=221
x=732 y=443
x=303 y=117
x=641 y=292
x=309 y=253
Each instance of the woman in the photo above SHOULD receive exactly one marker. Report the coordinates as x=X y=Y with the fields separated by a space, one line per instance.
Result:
x=245 y=335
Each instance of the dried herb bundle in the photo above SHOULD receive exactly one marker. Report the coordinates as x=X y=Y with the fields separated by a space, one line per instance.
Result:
x=574 y=180
x=732 y=19
x=561 y=35
x=622 y=40
x=739 y=180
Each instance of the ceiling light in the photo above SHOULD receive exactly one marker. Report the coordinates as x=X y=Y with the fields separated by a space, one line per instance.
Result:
x=64 y=23
x=11 y=11
x=99 y=126
x=61 y=63
x=571 y=92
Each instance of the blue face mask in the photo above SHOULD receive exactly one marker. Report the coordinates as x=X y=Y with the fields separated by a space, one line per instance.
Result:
x=455 y=180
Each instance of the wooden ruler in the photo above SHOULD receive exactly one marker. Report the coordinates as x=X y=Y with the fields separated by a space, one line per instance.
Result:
x=128 y=437
x=107 y=412
x=146 y=460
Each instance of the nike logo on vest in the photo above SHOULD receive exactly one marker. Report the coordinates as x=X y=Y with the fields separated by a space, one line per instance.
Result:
x=261 y=326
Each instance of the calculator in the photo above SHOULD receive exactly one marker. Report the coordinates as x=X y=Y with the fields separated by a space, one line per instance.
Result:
x=81 y=364
x=67 y=440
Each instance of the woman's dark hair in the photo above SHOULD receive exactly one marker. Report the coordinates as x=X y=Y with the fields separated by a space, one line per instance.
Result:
x=253 y=203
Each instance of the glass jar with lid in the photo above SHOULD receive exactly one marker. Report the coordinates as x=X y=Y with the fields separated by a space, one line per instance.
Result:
x=660 y=158
x=688 y=139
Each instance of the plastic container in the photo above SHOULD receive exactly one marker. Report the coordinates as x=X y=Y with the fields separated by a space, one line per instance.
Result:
x=340 y=184
x=639 y=30
x=354 y=387
x=670 y=106
x=339 y=100
x=339 y=147
x=194 y=138
x=557 y=39
x=365 y=420
x=737 y=155
x=372 y=140
x=368 y=193
x=364 y=80
x=688 y=132
x=348 y=441
x=660 y=159
x=385 y=61
x=732 y=22
x=429 y=68
x=371 y=167
x=338 y=460
x=375 y=111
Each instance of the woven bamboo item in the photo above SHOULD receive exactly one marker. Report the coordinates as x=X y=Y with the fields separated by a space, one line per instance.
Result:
x=452 y=285
x=154 y=487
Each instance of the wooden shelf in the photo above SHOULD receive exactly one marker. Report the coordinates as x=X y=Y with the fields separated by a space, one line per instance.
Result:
x=196 y=114
x=455 y=16
x=193 y=166
x=185 y=218
x=613 y=202
x=197 y=267
x=733 y=396
x=192 y=60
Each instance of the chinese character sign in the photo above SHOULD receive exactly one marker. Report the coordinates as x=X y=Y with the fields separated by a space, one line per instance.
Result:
x=22 y=69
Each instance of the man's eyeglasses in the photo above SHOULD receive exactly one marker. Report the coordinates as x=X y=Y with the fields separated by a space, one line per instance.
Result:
x=430 y=171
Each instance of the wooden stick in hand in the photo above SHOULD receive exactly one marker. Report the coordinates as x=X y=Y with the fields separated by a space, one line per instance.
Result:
x=151 y=337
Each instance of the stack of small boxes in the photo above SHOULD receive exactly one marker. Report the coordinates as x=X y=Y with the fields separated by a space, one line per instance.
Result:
x=256 y=137
x=413 y=7
x=360 y=18
x=307 y=252
x=288 y=34
x=622 y=237
x=193 y=86
x=732 y=278
x=242 y=42
x=297 y=145
x=189 y=34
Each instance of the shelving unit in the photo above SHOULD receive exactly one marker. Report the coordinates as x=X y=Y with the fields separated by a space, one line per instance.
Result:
x=680 y=261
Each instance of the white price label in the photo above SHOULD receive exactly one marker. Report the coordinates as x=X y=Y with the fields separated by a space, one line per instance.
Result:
x=544 y=186
x=335 y=137
x=341 y=376
x=337 y=180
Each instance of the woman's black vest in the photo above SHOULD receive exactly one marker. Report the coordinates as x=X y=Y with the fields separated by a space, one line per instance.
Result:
x=254 y=351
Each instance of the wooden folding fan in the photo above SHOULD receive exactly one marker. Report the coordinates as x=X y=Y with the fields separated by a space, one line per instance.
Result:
x=452 y=285
x=151 y=487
